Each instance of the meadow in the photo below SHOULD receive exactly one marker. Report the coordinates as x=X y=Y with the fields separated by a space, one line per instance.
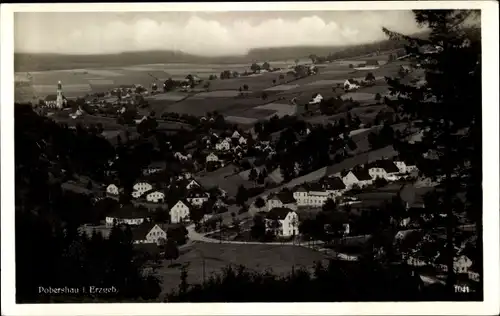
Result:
x=214 y=257
x=222 y=96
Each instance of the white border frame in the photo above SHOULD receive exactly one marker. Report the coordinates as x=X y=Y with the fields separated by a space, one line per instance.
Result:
x=490 y=306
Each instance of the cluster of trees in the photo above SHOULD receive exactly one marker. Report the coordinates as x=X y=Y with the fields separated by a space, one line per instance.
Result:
x=385 y=137
x=46 y=151
x=336 y=282
x=449 y=108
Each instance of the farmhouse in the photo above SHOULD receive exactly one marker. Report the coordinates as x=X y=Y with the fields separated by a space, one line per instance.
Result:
x=405 y=168
x=197 y=197
x=242 y=140
x=333 y=185
x=313 y=194
x=128 y=215
x=193 y=184
x=179 y=212
x=223 y=145
x=351 y=84
x=212 y=157
x=282 y=199
x=155 y=197
x=112 y=190
x=140 y=188
x=236 y=135
x=288 y=221
x=360 y=177
x=316 y=99
x=384 y=169
x=148 y=233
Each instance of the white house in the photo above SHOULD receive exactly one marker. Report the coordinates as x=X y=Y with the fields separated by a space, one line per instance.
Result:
x=179 y=212
x=359 y=177
x=148 y=233
x=112 y=189
x=236 y=135
x=282 y=199
x=350 y=84
x=288 y=221
x=223 y=145
x=317 y=99
x=193 y=184
x=212 y=157
x=385 y=169
x=141 y=187
x=155 y=197
x=127 y=215
x=310 y=196
x=242 y=140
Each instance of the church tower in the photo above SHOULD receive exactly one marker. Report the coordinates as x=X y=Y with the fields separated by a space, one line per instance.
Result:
x=59 y=99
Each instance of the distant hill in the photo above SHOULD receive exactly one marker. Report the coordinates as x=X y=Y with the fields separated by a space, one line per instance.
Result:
x=41 y=62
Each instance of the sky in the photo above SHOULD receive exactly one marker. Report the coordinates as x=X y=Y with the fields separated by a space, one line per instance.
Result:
x=200 y=33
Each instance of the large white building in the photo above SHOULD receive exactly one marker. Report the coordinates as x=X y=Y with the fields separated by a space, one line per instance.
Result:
x=155 y=197
x=127 y=215
x=179 y=212
x=287 y=219
x=140 y=188
x=283 y=199
x=148 y=233
x=316 y=194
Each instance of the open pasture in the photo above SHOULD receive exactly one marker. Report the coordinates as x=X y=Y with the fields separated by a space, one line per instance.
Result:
x=280 y=108
x=326 y=82
x=282 y=87
x=241 y=120
x=359 y=96
x=170 y=96
x=253 y=113
x=218 y=94
x=256 y=257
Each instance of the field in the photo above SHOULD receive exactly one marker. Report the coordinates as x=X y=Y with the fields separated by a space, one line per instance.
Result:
x=279 y=258
x=222 y=96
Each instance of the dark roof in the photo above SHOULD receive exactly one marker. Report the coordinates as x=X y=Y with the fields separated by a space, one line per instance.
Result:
x=351 y=81
x=387 y=165
x=183 y=201
x=140 y=232
x=362 y=174
x=300 y=189
x=285 y=197
x=278 y=213
x=334 y=183
x=314 y=186
x=197 y=192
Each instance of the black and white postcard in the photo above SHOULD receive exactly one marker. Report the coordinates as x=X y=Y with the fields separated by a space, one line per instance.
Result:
x=325 y=157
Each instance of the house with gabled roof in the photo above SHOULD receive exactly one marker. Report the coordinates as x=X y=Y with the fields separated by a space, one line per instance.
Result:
x=360 y=177
x=287 y=219
x=236 y=135
x=197 y=197
x=351 y=84
x=148 y=233
x=192 y=184
x=127 y=214
x=224 y=145
x=155 y=197
x=140 y=188
x=385 y=169
x=212 y=157
x=179 y=212
x=281 y=199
